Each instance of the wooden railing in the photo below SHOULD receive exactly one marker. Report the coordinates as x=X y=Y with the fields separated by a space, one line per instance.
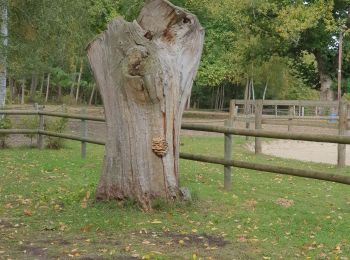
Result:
x=228 y=130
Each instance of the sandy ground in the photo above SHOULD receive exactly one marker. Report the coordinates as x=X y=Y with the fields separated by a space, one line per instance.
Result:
x=303 y=151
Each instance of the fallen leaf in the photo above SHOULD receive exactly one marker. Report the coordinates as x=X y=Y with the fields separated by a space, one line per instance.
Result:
x=28 y=212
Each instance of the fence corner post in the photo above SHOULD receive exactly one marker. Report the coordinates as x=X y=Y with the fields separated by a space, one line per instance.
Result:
x=342 y=127
x=228 y=156
x=40 y=138
x=258 y=125
x=84 y=131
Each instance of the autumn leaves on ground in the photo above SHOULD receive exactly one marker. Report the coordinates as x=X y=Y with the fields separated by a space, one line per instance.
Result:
x=47 y=211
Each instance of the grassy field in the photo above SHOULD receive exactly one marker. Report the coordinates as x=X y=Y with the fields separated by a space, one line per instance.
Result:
x=47 y=211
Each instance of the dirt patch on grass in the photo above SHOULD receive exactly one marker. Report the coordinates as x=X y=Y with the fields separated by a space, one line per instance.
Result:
x=5 y=224
x=38 y=252
x=197 y=240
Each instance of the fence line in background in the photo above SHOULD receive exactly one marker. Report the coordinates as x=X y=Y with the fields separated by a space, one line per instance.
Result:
x=228 y=132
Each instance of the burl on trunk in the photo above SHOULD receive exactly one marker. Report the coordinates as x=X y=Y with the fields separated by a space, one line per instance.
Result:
x=145 y=71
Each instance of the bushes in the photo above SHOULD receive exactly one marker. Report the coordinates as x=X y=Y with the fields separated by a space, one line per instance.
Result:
x=5 y=123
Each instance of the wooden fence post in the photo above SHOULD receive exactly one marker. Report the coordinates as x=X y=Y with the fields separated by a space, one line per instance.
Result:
x=343 y=124
x=291 y=114
x=258 y=124
x=276 y=111
x=40 y=140
x=228 y=156
x=233 y=111
x=84 y=130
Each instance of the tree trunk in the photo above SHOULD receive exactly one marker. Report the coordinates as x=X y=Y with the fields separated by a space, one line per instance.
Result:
x=42 y=84
x=265 y=90
x=71 y=93
x=33 y=87
x=23 y=86
x=12 y=89
x=59 y=93
x=92 y=94
x=79 y=80
x=325 y=79
x=145 y=71
x=47 y=88
x=3 y=52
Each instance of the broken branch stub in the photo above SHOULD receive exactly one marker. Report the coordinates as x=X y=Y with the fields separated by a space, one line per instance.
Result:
x=145 y=71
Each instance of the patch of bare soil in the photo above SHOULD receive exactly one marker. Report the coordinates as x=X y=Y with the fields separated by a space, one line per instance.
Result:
x=303 y=151
x=197 y=240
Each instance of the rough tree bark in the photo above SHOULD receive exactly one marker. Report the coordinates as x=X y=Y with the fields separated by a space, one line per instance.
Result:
x=3 y=51
x=326 y=81
x=145 y=71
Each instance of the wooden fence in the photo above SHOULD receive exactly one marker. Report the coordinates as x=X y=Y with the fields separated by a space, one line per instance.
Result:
x=228 y=130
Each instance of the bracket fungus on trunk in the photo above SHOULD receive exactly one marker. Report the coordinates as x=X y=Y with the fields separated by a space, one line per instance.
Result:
x=145 y=71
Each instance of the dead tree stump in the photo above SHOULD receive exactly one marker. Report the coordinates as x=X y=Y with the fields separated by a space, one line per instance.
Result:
x=145 y=71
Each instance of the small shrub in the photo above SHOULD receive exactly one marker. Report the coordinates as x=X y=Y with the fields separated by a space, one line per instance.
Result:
x=57 y=126
x=5 y=123
x=32 y=123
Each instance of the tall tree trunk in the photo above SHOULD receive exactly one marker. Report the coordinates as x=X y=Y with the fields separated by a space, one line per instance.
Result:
x=79 y=80
x=12 y=89
x=33 y=86
x=145 y=71
x=326 y=81
x=47 y=88
x=23 y=86
x=265 y=90
x=71 y=93
x=92 y=94
x=59 y=93
x=42 y=84
x=3 y=52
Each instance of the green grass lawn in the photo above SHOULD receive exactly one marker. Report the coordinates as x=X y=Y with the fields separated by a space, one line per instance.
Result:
x=47 y=211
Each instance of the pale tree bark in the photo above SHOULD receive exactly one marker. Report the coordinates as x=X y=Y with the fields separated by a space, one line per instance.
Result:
x=92 y=94
x=33 y=86
x=145 y=71
x=23 y=87
x=79 y=80
x=47 y=88
x=3 y=51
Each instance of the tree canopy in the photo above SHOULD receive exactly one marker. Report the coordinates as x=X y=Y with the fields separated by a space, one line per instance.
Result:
x=286 y=49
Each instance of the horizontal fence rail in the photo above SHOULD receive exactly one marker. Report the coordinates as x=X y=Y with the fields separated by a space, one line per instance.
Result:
x=269 y=168
x=269 y=134
x=226 y=130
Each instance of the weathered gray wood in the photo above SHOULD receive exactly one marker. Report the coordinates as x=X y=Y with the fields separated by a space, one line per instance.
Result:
x=258 y=125
x=71 y=137
x=276 y=111
x=18 y=131
x=228 y=156
x=145 y=71
x=40 y=140
x=343 y=121
x=305 y=103
x=291 y=115
x=232 y=111
x=269 y=134
x=270 y=168
x=84 y=133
